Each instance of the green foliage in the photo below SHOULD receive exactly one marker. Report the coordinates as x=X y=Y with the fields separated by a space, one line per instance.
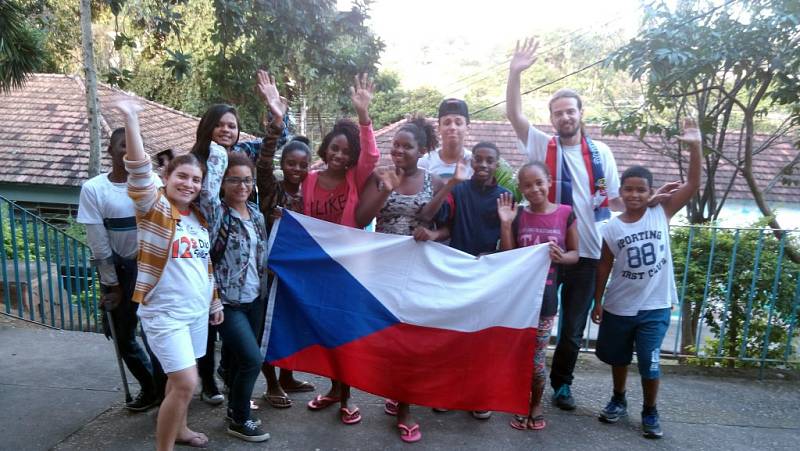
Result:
x=392 y=103
x=313 y=50
x=731 y=307
x=21 y=49
x=507 y=179
x=732 y=67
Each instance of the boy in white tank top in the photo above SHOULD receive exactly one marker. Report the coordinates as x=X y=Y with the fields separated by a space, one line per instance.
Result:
x=641 y=290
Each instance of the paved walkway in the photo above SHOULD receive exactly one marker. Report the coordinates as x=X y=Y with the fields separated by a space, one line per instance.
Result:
x=61 y=390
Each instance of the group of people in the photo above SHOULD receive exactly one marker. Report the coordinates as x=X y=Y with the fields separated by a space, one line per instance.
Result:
x=185 y=252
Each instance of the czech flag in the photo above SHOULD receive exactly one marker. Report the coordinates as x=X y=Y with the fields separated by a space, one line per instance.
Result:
x=414 y=321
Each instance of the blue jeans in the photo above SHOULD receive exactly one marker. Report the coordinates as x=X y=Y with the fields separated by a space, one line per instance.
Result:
x=125 y=322
x=577 y=292
x=239 y=334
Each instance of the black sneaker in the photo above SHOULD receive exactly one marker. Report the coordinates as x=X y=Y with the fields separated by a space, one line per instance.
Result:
x=229 y=418
x=142 y=402
x=614 y=410
x=248 y=431
x=651 y=427
x=563 y=399
x=211 y=395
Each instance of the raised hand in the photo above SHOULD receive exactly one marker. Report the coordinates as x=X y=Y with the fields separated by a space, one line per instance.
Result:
x=506 y=209
x=268 y=91
x=361 y=96
x=389 y=179
x=524 y=56
x=691 y=134
x=127 y=106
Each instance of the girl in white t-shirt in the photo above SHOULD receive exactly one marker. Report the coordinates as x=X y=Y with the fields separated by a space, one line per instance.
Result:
x=174 y=283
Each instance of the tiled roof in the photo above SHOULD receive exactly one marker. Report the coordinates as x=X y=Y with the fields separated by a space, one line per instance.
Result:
x=44 y=130
x=629 y=151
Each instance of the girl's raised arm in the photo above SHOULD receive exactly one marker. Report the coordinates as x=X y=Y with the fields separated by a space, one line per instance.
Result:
x=141 y=184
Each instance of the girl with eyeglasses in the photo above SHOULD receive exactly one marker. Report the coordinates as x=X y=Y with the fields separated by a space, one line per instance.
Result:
x=238 y=236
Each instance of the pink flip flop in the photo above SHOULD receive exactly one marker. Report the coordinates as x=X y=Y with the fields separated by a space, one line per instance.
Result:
x=409 y=434
x=519 y=423
x=350 y=416
x=538 y=423
x=390 y=407
x=321 y=402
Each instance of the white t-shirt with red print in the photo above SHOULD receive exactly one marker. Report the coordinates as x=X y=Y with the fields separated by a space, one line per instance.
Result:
x=184 y=289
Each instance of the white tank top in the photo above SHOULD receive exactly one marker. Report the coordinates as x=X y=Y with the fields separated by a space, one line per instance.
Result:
x=642 y=277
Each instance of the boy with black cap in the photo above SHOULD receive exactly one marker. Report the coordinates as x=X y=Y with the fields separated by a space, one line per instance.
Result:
x=453 y=128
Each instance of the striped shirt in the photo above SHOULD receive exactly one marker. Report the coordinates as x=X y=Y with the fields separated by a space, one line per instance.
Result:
x=156 y=220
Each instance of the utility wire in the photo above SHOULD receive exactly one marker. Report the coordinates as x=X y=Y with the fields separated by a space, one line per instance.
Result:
x=547 y=51
x=589 y=66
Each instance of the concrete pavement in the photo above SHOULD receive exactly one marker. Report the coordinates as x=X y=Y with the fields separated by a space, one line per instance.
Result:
x=61 y=390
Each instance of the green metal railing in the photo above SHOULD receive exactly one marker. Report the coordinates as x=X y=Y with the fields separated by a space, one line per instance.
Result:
x=739 y=296
x=47 y=277
x=739 y=292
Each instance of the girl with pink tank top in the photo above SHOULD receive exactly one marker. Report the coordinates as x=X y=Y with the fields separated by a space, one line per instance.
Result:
x=539 y=222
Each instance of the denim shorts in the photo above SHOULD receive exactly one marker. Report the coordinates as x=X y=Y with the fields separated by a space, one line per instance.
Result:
x=619 y=334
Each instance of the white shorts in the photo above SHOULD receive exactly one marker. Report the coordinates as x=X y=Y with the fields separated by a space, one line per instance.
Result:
x=176 y=343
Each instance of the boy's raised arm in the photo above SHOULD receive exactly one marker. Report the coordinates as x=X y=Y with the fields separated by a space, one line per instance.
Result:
x=693 y=140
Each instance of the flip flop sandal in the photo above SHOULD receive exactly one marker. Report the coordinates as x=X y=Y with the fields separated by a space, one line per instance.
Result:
x=409 y=434
x=278 y=401
x=538 y=423
x=519 y=423
x=301 y=387
x=197 y=441
x=350 y=416
x=390 y=407
x=321 y=402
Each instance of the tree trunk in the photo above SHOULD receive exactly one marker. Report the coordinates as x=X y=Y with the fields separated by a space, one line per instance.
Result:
x=758 y=195
x=90 y=84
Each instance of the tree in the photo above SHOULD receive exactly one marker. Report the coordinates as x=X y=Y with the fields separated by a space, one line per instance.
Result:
x=735 y=68
x=21 y=52
x=309 y=46
x=393 y=103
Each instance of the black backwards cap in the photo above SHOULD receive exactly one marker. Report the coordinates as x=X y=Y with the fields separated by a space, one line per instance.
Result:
x=454 y=106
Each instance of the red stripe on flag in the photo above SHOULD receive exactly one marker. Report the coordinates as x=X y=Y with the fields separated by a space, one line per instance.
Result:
x=486 y=370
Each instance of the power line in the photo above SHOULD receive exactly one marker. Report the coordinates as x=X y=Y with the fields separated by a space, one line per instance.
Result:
x=545 y=84
x=589 y=66
x=544 y=52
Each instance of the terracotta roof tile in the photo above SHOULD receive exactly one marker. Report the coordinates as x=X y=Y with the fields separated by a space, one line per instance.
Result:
x=46 y=123
x=629 y=151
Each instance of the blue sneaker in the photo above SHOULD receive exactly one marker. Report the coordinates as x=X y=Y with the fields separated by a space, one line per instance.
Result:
x=614 y=410
x=651 y=428
x=563 y=399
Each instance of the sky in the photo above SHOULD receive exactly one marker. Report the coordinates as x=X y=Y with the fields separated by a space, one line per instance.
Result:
x=425 y=39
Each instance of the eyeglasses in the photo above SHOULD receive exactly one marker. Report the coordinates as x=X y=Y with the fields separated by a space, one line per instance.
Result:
x=237 y=180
